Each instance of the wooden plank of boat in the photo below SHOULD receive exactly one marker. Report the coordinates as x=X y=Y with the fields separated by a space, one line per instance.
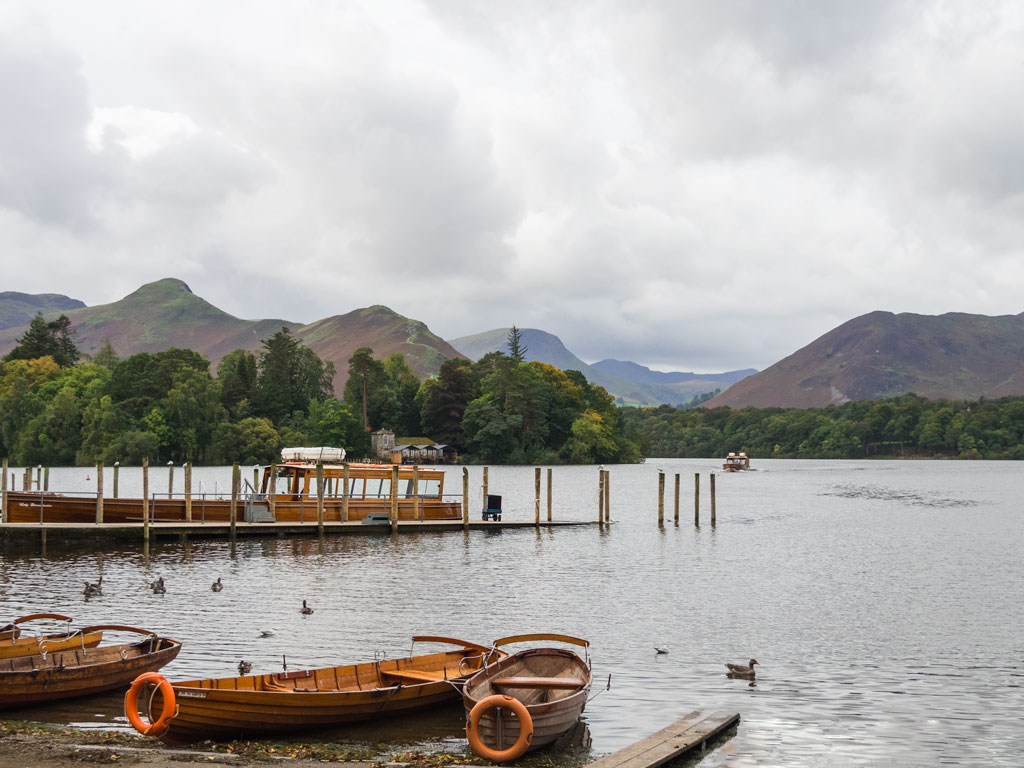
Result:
x=671 y=742
x=14 y=642
x=555 y=701
x=230 y=707
x=79 y=671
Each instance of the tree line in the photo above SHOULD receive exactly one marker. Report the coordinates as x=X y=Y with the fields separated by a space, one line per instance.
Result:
x=57 y=409
x=907 y=425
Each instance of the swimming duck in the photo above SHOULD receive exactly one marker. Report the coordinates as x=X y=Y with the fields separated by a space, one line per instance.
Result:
x=661 y=649
x=217 y=586
x=91 y=590
x=244 y=667
x=305 y=610
x=158 y=586
x=740 y=670
x=267 y=632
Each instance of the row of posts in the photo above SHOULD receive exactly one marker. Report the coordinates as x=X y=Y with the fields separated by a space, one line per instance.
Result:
x=696 y=499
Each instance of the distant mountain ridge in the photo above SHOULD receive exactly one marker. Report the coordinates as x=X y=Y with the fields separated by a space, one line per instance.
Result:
x=18 y=309
x=633 y=383
x=166 y=313
x=953 y=356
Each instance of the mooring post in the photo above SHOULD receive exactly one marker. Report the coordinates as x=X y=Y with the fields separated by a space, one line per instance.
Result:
x=145 y=499
x=170 y=479
x=272 y=491
x=661 y=499
x=117 y=466
x=600 y=497
x=255 y=477
x=188 y=492
x=465 y=498
x=3 y=494
x=696 y=498
x=345 y=491
x=713 y=500
x=485 y=489
x=39 y=477
x=99 y=492
x=236 y=477
x=608 y=496
x=26 y=479
x=417 y=503
x=536 y=496
x=320 y=497
x=46 y=478
x=675 y=517
x=549 y=494
x=393 y=514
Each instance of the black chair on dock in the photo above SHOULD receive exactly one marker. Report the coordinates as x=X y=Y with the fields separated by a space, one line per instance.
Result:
x=493 y=510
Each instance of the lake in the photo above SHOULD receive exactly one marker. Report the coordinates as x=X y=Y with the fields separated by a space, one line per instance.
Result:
x=883 y=599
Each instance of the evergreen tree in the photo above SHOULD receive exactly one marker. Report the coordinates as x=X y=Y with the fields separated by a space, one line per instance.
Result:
x=516 y=349
x=55 y=339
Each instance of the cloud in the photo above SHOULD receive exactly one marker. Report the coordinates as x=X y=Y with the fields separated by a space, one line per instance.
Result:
x=689 y=185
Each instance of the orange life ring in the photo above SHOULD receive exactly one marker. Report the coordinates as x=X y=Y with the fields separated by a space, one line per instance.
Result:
x=525 y=728
x=131 y=704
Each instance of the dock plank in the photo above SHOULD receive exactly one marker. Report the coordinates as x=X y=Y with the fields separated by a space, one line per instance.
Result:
x=669 y=743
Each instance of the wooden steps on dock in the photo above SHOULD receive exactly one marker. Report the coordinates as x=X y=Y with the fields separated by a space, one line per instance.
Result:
x=671 y=742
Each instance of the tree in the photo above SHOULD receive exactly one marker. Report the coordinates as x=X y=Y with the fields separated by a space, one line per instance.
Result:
x=443 y=401
x=516 y=349
x=237 y=374
x=289 y=375
x=55 y=339
x=364 y=376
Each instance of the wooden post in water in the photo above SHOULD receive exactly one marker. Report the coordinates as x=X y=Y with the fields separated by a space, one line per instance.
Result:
x=99 y=492
x=713 y=500
x=272 y=490
x=675 y=518
x=145 y=499
x=255 y=477
x=117 y=466
x=465 y=498
x=393 y=514
x=661 y=499
x=549 y=494
x=600 y=497
x=345 y=486
x=39 y=477
x=485 y=489
x=188 y=492
x=26 y=479
x=320 y=498
x=46 y=478
x=236 y=476
x=608 y=496
x=696 y=498
x=417 y=502
x=3 y=494
x=170 y=479
x=536 y=496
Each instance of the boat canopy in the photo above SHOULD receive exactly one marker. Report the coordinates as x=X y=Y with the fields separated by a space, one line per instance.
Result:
x=323 y=453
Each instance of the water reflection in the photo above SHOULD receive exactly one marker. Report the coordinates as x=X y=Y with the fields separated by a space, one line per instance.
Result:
x=885 y=625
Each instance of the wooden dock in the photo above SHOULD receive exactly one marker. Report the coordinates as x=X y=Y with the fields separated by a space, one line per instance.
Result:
x=669 y=743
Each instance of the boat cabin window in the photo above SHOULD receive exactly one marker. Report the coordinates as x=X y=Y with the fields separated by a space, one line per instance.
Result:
x=377 y=488
x=431 y=488
x=355 y=487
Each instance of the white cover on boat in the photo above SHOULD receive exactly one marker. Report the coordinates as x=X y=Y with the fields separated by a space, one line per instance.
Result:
x=322 y=453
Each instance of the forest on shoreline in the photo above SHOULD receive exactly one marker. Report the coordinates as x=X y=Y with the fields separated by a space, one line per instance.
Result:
x=58 y=410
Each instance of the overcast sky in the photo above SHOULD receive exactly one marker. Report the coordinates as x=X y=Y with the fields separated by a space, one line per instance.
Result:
x=691 y=185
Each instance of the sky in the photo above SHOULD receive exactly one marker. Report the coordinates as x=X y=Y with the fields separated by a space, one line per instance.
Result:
x=697 y=186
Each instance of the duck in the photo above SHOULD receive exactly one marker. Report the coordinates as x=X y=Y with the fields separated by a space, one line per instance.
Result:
x=661 y=649
x=741 y=670
x=244 y=667
x=217 y=586
x=267 y=633
x=91 y=590
x=305 y=610
x=158 y=586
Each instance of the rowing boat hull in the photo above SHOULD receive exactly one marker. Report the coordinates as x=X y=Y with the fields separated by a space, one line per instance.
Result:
x=553 y=712
x=227 y=708
x=80 y=672
x=29 y=646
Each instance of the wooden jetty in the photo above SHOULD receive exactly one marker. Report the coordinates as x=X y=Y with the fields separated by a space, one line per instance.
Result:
x=669 y=743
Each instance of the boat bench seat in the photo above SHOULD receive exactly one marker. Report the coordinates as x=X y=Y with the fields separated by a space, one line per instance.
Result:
x=413 y=675
x=566 y=683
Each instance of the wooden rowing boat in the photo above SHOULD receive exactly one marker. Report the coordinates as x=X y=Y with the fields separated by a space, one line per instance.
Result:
x=552 y=684
x=79 y=671
x=15 y=642
x=229 y=707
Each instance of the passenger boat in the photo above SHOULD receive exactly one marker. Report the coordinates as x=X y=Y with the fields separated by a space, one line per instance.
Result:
x=736 y=462
x=229 y=707
x=545 y=688
x=79 y=671
x=16 y=642
x=289 y=497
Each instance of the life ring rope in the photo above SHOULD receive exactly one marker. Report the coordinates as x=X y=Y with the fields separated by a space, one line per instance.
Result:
x=525 y=728
x=167 y=712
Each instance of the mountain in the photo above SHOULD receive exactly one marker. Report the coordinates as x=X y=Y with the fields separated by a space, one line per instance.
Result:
x=18 y=309
x=167 y=314
x=634 y=383
x=953 y=356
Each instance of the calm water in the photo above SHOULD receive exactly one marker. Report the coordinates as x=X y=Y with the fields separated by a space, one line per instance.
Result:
x=884 y=600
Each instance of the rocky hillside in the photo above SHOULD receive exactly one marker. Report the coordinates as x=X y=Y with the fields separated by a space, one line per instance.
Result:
x=881 y=354
x=18 y=309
